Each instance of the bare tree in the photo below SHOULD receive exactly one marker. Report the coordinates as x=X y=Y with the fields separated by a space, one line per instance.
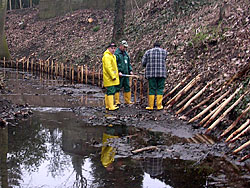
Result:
x=4 y=51
x=118 y=30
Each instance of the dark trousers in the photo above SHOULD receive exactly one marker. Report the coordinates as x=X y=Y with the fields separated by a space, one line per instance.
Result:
x=156 y=85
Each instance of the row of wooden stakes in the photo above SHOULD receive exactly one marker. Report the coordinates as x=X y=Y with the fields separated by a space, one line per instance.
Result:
x=182 y=100
x=75 y=73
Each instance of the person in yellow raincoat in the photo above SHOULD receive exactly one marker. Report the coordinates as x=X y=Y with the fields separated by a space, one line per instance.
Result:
x=110 y=76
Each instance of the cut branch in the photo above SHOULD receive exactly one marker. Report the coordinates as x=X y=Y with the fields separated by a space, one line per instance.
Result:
x=222 y=106
x=209 y=107
x=236 y=121
x=194 y=98
x=238 y=130
x=225 y=113
x=242 y=147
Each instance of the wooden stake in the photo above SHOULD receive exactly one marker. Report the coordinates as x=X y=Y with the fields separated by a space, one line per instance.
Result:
x=78 y=73
x=203 y=102
x=171 y=102
x=72 y=73
x=208 y=108
x=86 y=74
x=242 y=147
x=52 y=67
x=4 y=62
x=177 y=86
x=194 y=98
x=66 y=71
x=28 y=61
x=244 y=158
x=141 y=89
x=246 y=130
x=144 y=149
x=188 y=97
x=93 y=76
x=82 y=74
x=238 y=130
x=222 y=106
x=135 y=91
x=224 y=114
x=236 y=121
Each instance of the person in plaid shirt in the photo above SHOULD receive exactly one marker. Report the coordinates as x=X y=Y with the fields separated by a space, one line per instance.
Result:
x=155 y=62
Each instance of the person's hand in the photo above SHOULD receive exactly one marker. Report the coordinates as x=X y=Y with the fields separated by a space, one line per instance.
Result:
x=120 y=74
x=131 y=73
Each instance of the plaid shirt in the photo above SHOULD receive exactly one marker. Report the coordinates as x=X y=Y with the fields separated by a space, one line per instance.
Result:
x=155 y=62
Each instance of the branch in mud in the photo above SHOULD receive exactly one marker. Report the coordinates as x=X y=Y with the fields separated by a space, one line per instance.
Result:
x=144 y=149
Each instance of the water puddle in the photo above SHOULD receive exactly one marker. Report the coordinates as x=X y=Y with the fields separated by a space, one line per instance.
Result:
x=57 y=148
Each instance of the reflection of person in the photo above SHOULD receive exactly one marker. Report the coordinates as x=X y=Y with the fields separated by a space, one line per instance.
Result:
x=155 y=62
x=110 y=76
x=108 y=152
x=124 y=67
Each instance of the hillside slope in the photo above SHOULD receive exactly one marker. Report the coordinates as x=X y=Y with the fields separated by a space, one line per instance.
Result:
x=205 y=36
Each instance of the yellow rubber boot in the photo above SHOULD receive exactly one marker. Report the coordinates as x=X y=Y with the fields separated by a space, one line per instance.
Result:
x=111 y=103
x=151 y=100
x=159 y=102
x=106 y=102
x=127 y=97
x=117 y=98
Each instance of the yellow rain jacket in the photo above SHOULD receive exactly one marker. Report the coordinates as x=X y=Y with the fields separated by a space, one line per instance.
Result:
x=110 y=70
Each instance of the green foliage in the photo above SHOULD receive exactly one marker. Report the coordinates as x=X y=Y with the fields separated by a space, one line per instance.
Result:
x=205 y=36
x=96 y=28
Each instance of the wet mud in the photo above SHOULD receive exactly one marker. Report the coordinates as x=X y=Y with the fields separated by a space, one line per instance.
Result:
x=139 y=136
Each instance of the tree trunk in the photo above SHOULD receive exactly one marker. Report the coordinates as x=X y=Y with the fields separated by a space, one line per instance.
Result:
x=20 y=4
x=4 y=51
x=118 y=30
x=10 y=5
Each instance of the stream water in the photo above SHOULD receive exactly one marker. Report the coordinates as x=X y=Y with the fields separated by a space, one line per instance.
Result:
x=56 y=148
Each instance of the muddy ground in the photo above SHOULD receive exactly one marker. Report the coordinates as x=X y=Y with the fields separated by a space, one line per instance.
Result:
x=176 y=136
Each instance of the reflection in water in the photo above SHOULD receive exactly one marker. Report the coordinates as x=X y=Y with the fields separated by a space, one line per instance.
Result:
x=3 y=157
x=108 y=152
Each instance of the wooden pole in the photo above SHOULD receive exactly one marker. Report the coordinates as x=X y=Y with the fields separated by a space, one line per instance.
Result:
x=177 y=86
x=242 y=147
x=171 y=102
x=238 y=130
x=244 y=158
x=188 y=97
x=203 y=102
x=66 y=71
x=86 y=74
x=72 y=73
x=246 y=130
x=194 y=98
x=222 y=106
x=135 y=91
x=209 y=107
x=93 y=75
x=144 y=149
x=236 y=121
x=28 y=62
x=52 y=67
x=20 y=4
x=10 y=5
x=82 y=74
x=224 y=114
x=141 y=89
